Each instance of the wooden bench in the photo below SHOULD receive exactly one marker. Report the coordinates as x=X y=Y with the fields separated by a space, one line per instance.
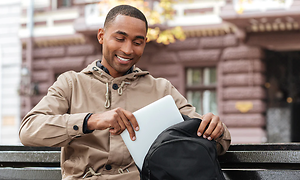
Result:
x=262 y=162
x=241 y=162
x=36 y=163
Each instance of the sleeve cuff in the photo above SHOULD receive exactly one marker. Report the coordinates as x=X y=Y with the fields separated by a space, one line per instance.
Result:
x=75 y=125
x=85 y=130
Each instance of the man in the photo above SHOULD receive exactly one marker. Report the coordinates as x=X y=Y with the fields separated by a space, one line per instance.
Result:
x=85 y=112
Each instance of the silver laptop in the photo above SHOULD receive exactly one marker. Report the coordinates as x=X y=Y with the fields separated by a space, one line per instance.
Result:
x=152 y=119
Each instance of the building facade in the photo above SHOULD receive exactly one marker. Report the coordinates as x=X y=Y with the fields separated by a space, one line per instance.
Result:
x=10 y=68
x=237 y=60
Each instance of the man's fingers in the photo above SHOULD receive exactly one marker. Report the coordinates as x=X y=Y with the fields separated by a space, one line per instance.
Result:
x=211 y=127
x=213 y=124
x=114 y=127
x=132 y=120
x=117 y=120
x=121 y=124
x=205 y=121
x=217 y=131
x=128 y=121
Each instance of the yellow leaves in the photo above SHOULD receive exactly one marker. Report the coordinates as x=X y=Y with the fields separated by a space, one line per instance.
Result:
x=178 y=33
x=240 y=10
x=153 y=34
x=167 y=7
x=241 y=6
x=154 y=17
x=167 y=36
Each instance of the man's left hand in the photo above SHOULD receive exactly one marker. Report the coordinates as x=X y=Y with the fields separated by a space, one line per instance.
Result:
x=215 y=127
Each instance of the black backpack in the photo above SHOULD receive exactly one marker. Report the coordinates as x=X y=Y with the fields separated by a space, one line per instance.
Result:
x=179 y=154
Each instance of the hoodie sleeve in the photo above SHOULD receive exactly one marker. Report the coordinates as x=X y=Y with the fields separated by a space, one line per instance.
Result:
x=49 y=123
x=185 y=108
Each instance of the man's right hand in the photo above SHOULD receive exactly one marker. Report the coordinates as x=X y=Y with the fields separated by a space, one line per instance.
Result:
x=117 y=120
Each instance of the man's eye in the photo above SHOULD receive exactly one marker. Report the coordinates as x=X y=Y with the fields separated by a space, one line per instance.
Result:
x=119 y=39
x=137 y=43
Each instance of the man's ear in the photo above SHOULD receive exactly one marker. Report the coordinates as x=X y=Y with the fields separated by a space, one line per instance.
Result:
x=100 y=35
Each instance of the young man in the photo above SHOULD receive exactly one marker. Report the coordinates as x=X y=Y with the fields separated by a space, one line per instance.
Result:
x=85 y=112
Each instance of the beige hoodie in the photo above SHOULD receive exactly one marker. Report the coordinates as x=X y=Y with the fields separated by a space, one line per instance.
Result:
x=57 y=120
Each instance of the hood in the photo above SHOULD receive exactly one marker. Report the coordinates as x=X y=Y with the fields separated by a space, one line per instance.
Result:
x=125 y=80
x=95 y=70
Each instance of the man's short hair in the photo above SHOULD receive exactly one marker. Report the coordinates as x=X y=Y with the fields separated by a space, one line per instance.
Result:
x=125 y=10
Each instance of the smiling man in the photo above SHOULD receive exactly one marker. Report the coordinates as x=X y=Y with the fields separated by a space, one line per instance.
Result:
x=123 y=42
x=85 y=112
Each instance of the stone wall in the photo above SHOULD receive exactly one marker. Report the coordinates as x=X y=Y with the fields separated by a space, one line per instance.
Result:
x=240 y=74
x=243 y=93
x=240 y=78
x=49 y=62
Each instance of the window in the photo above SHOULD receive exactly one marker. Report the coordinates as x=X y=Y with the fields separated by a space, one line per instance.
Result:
x=64 y=3
x=201 y=89
x=57 y=4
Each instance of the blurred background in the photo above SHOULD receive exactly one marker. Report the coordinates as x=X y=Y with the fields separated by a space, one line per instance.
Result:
x=239 y=59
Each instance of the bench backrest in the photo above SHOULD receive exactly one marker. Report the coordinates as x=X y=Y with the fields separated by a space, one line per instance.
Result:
x=19 y=162
x=262 y=161
x=241 y=162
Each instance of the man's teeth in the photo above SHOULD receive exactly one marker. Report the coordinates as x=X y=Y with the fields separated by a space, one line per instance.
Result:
x=123 y=59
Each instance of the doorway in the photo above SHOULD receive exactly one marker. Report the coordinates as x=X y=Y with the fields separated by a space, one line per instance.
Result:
x=283 y=95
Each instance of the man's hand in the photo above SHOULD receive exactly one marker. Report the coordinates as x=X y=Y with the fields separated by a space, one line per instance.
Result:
x=215 y=127
x=117 y=120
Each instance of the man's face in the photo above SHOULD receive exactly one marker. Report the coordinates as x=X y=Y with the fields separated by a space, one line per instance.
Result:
x=123 y=42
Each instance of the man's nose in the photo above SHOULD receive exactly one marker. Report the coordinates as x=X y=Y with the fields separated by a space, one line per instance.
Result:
x=127 y=48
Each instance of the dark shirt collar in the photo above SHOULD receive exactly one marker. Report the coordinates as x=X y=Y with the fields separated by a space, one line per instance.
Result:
x=107 y=71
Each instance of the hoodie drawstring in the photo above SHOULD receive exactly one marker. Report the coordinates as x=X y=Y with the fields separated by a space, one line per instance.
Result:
x=91 y=172
x=107 y=102
x=121 y=170
x=120 y=92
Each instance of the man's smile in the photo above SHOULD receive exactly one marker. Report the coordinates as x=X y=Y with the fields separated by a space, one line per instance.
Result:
x=123 y=59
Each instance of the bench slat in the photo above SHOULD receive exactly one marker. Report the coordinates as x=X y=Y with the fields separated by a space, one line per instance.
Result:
x=261 y=174
x=30 y=156
x=53 y=174
x=250 y=161
x=261 y=157
x=29 y=159
x=30 y=173
x=265 y=147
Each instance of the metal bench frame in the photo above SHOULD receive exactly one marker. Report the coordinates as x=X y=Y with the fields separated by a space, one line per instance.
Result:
x=241 y=162
x=262 y=162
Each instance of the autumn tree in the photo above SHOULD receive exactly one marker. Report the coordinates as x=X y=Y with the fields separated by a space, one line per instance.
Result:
x=157 y=13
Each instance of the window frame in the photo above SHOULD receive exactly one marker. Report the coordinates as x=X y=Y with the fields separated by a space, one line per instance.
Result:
x=57 y=4
x=202 y=87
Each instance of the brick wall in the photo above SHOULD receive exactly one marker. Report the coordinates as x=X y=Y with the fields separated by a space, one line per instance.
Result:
x=240 y=78
x=49 y=62
x=240 y=74
x=243 y=94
